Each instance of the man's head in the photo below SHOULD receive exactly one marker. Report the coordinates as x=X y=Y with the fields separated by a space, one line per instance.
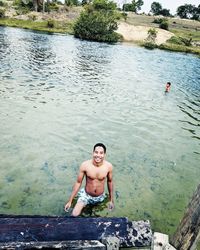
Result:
x=169 y=84
x=99 y=152
x=100 y=145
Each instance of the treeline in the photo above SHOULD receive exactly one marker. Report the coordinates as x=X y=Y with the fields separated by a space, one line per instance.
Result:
x=187 y=11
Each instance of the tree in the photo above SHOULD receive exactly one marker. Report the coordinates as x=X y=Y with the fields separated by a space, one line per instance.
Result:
x=2 y=12
x=138 y=5
x=165 y=12
x=196 y=14
x=187 y=11
x=134 y=6
x=156 y=8
x=128 y=7
x=72 y=2
x=98 y=22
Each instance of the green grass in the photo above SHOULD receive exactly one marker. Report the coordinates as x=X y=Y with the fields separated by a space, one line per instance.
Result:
x=180 y=48
x=179 y=27
x=59 y=27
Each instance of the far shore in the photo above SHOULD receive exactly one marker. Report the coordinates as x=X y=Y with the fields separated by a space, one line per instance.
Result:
x=134 y=30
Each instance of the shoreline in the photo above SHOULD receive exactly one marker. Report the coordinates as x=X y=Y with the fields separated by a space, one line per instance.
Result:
x=132 y=34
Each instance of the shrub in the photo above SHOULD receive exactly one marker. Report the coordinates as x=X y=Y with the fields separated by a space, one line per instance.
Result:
x=2 y=3
x=150 y=45
x=51 y=6
x=159 y=20
x=23 y=7
x=186 y=41
x=150 y=40
x=175 y=40
x=98 y=22
x=164 y=25
x=50 y=23
x=74 y=2
x=180 y=41
x=152 y=34
x=2 y=12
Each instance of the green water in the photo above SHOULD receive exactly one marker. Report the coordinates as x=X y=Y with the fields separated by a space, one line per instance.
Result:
x=59 y=96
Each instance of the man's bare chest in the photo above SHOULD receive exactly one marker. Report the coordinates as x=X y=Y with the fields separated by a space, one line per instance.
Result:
x=97 y=173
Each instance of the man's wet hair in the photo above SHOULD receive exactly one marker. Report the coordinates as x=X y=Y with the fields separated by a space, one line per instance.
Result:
x=169 y=83
x=100 y=145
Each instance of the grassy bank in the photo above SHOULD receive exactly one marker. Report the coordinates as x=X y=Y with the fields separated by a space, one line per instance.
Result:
x=180 y=48
x=52 y=26
x=181 y=28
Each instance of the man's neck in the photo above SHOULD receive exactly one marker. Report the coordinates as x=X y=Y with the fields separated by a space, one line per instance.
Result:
x=96 y=164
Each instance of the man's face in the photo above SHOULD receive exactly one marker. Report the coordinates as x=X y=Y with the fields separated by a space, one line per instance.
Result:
x=98 y=154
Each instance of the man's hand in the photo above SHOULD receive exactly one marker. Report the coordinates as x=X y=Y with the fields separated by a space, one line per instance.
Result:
x=67 y=206
x=111 y=206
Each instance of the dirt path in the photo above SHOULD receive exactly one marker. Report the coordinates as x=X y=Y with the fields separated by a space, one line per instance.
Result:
x=140 y=33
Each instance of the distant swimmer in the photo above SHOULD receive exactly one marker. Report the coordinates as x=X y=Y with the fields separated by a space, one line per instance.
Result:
x=168 y=86
x=97 y=171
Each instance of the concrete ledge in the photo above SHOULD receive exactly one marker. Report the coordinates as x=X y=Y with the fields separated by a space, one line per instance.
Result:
x=75 y=245
x=57 y=228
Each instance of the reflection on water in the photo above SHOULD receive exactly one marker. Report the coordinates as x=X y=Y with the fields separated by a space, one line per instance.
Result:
x=59 y=96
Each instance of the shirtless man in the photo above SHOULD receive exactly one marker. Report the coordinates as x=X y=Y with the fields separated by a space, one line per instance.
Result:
x=168 y=86
x=96 y=171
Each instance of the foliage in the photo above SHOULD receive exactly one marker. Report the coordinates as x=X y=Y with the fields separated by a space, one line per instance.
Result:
x=134 y=6
x=181 y=40
x=124 y=15
x=98 y=22
x=2 y=3
x=175 y=40
x=50 y=23
x=156 y=9
x=128 y=7
x=164 y=25
x=186 y=41
x=159 y=20
x=189 y=11
x=150 y=45
x=165 y=12
x=50 y=6
x=2 y=12
x=179 y=48
x=196 y=13
x=72 y=2
x=23 y=7
x=150 y=40
x=152 y=34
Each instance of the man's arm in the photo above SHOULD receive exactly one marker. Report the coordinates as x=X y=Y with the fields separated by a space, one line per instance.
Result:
x=110 y=188
x=76 y=187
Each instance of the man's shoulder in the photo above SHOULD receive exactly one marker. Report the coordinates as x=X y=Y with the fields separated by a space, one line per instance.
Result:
x=86 y=163
x=109 y=165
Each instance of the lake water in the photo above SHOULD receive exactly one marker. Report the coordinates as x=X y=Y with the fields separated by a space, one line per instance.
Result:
x=59 y=96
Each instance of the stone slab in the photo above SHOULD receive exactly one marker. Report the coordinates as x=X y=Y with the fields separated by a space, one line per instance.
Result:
x=58 y=228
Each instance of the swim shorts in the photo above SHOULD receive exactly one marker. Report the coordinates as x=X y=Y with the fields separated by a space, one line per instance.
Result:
x=88 y=199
